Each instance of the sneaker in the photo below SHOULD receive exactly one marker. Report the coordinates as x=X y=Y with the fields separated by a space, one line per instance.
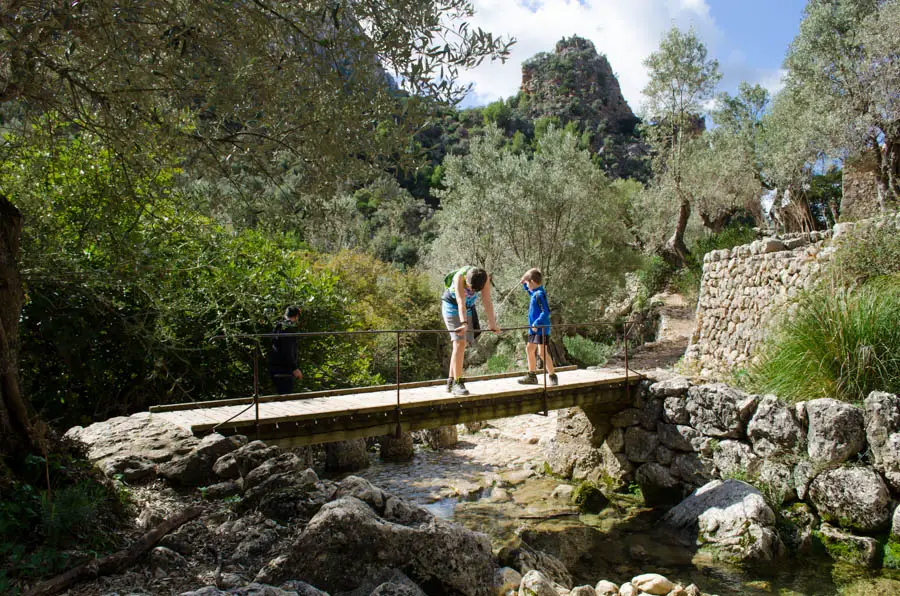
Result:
x=529 y=379
x=450 y=385
x=554 y=380
x=459 y=388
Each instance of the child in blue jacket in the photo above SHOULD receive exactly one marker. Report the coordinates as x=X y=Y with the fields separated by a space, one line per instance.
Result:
x=539 y=332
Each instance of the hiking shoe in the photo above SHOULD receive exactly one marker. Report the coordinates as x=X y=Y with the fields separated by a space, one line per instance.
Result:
x=450 y=385
x=459 y=388
x=529 y=379
x=554 y=380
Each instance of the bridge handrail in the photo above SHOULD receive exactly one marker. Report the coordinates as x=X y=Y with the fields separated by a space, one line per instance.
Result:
x=628 y=325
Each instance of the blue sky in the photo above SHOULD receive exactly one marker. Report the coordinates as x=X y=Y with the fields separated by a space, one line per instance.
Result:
x=749 y=38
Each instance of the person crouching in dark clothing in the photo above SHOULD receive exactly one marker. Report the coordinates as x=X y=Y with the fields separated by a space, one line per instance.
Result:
x=283 y=354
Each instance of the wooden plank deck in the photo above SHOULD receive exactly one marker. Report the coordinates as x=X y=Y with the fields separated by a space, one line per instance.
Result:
x=380 y=402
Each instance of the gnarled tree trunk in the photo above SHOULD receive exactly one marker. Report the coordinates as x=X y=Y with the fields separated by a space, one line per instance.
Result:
x=676 y=251
x=16 y=434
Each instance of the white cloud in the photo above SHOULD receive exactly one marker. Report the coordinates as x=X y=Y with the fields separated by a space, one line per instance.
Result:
x=627 y=31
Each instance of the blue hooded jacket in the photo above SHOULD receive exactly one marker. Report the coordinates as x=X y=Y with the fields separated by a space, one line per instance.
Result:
x=538 y=310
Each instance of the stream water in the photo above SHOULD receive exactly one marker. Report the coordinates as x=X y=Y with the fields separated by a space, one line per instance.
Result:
x=491 y=482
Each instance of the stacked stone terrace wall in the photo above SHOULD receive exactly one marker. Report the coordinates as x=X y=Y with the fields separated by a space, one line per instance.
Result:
x=743 y=291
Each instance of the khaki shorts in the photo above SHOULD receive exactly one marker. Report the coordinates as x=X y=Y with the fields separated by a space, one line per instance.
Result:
x=452 y=322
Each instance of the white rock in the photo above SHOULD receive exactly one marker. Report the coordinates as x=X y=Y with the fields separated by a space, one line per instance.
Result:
x=606 y=588
x=652 y=583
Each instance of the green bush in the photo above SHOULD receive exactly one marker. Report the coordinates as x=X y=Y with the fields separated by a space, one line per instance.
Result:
x=587 y=352
x=655 y=275
x=870 y=250
x=841 y=344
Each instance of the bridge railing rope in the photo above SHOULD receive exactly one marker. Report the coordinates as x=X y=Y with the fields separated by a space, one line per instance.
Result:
x=628 y=326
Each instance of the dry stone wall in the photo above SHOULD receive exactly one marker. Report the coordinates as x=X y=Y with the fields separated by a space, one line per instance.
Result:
x=831 y=468
x=743 y=290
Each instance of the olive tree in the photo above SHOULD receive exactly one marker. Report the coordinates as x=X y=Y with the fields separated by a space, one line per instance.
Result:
x=682 y=79
x=840 y=94
x=554 y=210
x=219 y=87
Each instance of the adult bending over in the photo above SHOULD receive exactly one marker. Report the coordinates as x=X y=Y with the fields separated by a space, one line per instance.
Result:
x=463 y=287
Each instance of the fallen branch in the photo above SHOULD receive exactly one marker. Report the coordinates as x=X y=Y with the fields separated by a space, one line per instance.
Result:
x=117 y=561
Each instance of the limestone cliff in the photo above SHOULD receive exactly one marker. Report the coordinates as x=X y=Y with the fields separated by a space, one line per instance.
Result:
x=575 y=83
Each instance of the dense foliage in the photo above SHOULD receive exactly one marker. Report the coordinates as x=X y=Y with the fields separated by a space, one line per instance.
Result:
x=554 y=210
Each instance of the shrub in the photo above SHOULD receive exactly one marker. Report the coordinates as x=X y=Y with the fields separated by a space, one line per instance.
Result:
x=655 y=275
x=843 y=345
x=870 y=250
x=587 y=352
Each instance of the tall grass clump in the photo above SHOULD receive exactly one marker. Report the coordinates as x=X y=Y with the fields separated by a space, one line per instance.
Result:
x=843 y=344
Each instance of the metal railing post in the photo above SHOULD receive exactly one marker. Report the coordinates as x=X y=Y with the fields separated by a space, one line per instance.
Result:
x=256 y=390
x=397 y=370
x=627 y=384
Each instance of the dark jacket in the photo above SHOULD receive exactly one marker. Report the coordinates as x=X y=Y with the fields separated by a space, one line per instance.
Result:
x=284 y=351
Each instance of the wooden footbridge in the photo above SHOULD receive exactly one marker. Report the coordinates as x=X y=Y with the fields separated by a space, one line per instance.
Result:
x=325 y=416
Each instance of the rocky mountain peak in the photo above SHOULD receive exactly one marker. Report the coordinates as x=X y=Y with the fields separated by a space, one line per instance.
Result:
x=576 y=83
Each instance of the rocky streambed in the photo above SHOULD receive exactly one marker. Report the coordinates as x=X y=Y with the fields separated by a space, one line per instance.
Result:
x=475 y=512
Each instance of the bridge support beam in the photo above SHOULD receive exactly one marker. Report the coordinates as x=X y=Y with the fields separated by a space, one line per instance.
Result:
x=346 y=456
x=394 y=448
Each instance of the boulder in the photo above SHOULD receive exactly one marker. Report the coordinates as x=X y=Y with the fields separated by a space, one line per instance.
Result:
x=286 y=495
x=346 y=456
x=221 y=490
x=535 y=583
x=506 y=580
x=397 y=584
x=802 y=476
x=882 y=418
x=774 y=429
x=132 y=441
x=627 y=589
x=615 y=440
x=658 y=486
x=675 y=410
x=254 y=589
x=776 y=481
x=196 y=468
x=302 y=588
x=836 y=431
x=286 y=463
x=130 y=468
x=640 y=444
x=347 y=546
x=675 y=386
x=844 y=546
x=606 y=588
x=677 y=436
x=166 y=559
x=525 y=559
x=694 y=469
x=653 y=583
x=799 y=522
x=582 y=591
x=729 y=518
x=734 y=458
x=393 y=448
x=443 y=437
x=244 y=459
x=852 y=497
x=651 y=413
x=720 y=411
